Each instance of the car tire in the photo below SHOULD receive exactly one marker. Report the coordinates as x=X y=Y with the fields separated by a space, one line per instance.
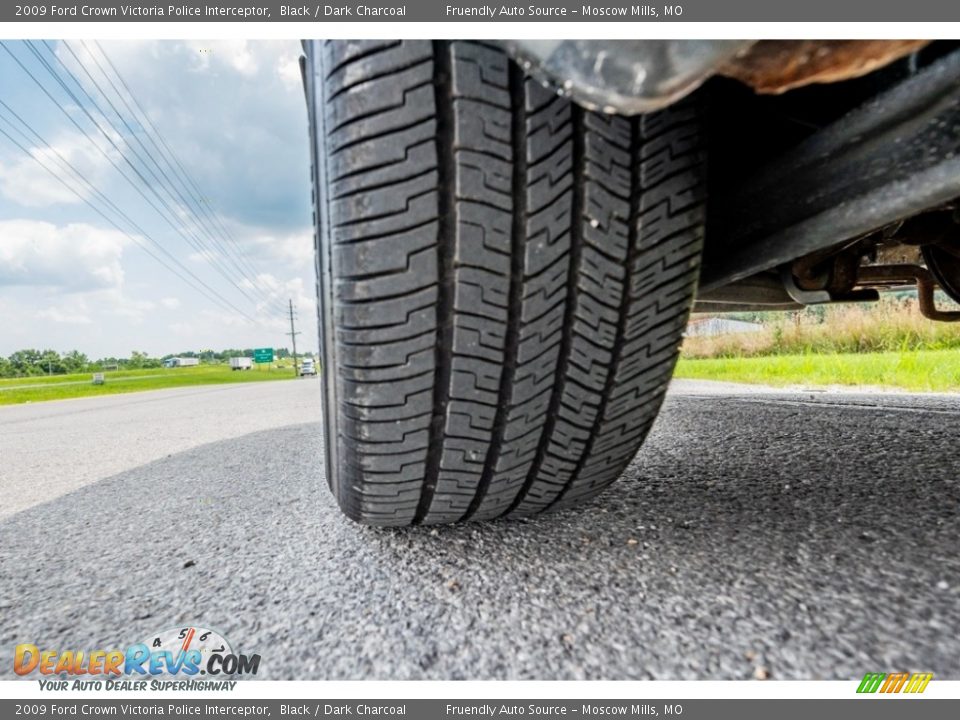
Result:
x=503 y=279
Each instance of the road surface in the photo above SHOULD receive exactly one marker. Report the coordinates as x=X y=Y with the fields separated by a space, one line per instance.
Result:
x=52 y=448
x=758 y=534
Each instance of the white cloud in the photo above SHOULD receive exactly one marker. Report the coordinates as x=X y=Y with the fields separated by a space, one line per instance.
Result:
x=288 y=70
x=171 y=303
x=69 y=314
x=72 y=258
x=26 y=182
x=95 y=307
x=280 y=292
x=204 y=256
x=235 y=54
x=266 y=246
x=120 y=305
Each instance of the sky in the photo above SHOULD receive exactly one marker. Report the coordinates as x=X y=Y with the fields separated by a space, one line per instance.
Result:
x=217 y=180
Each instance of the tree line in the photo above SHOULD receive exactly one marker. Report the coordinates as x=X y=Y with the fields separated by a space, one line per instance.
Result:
x=31 y=362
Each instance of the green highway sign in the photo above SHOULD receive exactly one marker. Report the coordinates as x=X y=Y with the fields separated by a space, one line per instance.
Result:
x=263 y=355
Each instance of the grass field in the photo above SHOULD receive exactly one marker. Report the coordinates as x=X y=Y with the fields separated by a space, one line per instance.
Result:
x=59 y=387
x=891 y=325
x=918 y=370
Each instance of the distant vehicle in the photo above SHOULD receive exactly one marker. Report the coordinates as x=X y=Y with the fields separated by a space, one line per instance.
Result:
x=241 y=363
x=307 y=367
x=180 y=362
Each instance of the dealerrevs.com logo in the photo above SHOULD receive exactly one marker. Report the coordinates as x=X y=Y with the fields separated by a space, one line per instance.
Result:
x=182 y=658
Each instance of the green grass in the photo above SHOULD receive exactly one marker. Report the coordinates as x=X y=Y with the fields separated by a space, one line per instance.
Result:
x=921 y=370
x=59 y=387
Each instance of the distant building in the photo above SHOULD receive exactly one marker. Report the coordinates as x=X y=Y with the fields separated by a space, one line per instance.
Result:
x=710 y=326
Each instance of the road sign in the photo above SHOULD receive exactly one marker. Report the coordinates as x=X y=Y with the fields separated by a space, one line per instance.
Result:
x=263 y=355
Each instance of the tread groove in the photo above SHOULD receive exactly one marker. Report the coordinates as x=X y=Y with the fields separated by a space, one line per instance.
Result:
x=446 y=166
x=566 y=342
x=518 y=187
x=622 y=314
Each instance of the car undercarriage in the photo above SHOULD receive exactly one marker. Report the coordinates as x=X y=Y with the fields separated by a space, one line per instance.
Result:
x=834 y=166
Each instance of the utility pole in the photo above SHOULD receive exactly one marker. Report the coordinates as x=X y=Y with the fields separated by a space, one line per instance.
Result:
x=293 y=338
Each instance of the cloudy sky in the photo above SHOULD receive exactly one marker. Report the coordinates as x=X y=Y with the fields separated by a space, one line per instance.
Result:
x=228 y=209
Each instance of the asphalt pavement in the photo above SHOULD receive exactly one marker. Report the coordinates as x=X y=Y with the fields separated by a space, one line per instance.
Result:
x=758 y=534
x=51 y=448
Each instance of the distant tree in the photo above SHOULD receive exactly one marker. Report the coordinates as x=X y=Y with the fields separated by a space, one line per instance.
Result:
x=26 y=362
x=6 y=369
x=50 y=363
x=106 y=363
x=137 y=360
x=75 y=361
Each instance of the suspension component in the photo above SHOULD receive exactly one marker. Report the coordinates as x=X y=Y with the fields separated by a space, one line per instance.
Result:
x=895 y=275
x=826 y=276
x=943 y=261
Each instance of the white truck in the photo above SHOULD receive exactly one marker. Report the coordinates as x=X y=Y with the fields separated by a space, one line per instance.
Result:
x=181 y=362
x=241 y=363
x=307 y=367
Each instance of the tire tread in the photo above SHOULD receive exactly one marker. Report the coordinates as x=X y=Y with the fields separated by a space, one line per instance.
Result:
x=510 y=277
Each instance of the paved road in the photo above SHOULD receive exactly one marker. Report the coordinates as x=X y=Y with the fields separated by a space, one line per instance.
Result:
x=757 y=534
x=49 y=449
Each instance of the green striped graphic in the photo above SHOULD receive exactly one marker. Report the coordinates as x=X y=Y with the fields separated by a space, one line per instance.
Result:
x=871 y=682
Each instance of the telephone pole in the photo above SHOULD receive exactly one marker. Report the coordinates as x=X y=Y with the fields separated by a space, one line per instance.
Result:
x=293 y=338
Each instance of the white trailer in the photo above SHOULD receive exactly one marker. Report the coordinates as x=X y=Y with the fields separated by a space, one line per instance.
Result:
x=181 y=362
x=241 y=363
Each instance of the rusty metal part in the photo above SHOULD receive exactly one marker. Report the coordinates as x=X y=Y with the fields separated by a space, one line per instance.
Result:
x=943 y=262
x=826 y=276
x=775 y=66
x=810 y=272
x=898 y=254
x=804 y=296
x=898 y=275
x=936 y=237
x=825 y=294
x=831 y=269
x=639 y=76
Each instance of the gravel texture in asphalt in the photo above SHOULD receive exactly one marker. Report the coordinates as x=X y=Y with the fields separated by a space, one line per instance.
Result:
x=780 y=535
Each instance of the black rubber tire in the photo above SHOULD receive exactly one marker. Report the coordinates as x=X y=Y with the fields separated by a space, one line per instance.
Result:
x=504 y=280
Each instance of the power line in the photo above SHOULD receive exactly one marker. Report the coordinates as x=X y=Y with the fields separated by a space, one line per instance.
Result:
x=189 y=183
x=181 y=199
x=177 y=169
x=190 y=237
x=205 y=289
